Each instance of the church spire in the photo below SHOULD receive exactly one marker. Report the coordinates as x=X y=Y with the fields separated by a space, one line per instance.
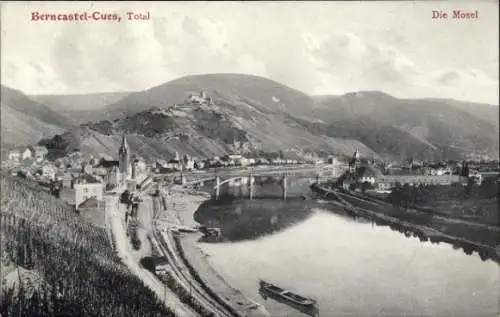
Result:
x=124 y=145
x=124 y=158
x=356 y=154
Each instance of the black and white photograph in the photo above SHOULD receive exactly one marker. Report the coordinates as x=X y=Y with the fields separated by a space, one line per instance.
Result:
x=249 y=159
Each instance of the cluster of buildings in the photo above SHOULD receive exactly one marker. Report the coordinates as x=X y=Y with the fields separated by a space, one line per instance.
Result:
x=30 y=162
x=201 y=99
x=24 y=153
x=78 y=179
x=187 y=163
x=414 y=173
x=98 y=176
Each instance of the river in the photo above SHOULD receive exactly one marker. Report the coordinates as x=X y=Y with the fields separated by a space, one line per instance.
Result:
x=350 y=266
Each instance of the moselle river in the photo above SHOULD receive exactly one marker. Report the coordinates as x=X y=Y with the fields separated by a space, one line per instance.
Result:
x=350 y=266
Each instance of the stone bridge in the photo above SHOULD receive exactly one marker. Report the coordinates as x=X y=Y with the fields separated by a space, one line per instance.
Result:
x=317 y=173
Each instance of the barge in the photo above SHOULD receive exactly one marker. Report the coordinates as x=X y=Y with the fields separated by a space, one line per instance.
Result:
x=305 y=305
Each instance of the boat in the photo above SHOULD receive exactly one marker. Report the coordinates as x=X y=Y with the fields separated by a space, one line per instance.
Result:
x=303 y=304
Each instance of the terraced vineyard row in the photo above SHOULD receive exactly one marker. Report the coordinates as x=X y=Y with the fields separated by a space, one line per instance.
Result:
x=79 y=275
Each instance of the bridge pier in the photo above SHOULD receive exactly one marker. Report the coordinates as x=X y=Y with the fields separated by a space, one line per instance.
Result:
x=217 y=187
x=250 y=184
x=285 y=189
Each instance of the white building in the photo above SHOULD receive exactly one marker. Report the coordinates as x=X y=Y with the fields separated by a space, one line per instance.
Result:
x=20 y=153
x=87 y=187
x=333 y=160
x=15 y=155
x=27 y=154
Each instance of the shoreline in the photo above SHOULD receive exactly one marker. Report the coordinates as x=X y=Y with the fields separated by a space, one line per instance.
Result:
x=185 y=203
x=424 y=232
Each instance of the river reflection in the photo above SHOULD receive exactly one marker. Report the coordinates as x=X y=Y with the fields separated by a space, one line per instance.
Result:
x=351 y=267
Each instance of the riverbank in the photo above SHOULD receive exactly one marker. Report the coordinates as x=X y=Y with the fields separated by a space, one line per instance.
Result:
x=424 y=226
x=184 y=204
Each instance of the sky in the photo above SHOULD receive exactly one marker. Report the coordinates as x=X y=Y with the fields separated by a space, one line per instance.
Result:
x=315 y=47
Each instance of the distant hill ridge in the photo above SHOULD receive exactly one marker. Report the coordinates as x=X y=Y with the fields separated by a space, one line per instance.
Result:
x=25 y=121
x=261 y=114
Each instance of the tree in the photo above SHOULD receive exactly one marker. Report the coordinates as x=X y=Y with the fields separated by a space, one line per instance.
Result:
x=366 y=185
x=125 y=197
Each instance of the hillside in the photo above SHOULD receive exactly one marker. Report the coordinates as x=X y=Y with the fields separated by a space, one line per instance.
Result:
x=442 y=124
x=22 y=103
x=19 y=128
x=79 y=108
x=67 y=266
x=481 y=111
x=267 y=94
x=203 y=132
x=26 y=121
x=253 y=113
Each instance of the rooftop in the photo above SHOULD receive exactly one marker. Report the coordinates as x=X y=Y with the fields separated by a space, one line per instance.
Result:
x=91 y=202
x=107 y=164
x=87 y=179
x=368 y=171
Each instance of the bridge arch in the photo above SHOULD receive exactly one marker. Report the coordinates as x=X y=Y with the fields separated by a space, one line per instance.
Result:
x=319 y=173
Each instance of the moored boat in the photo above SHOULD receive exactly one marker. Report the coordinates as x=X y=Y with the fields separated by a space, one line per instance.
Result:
x=303 y=304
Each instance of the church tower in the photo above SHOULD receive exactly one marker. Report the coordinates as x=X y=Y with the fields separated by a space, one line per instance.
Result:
x=124 y=158
x=354 y=162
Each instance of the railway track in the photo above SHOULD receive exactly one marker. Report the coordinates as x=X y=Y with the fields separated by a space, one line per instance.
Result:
x=181 y=272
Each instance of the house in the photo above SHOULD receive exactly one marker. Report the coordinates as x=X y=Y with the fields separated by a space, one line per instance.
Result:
x=161 y=166
x=89 y=203
x=112 y=177
x=49 y=172
x=59 y=176
x=389 y=181
x=140 y=165
x=262 y=161
x=475 y=177
x=67 y=180
x=439 y=171
x=333 y=160
x=108 y=164
x=39 y=153
x=199 y=165
x=367 y=174
x=188 y=163
x=87 y=169
x=27 y=153
x=93 y=211
x=174 y=164
x=107 y=169
x=20 y=153
x=87 y=186
x=277 y=161
x=15 y=155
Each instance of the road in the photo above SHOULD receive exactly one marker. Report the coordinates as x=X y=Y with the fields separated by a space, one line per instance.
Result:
x=179 y=269
x=123 y=249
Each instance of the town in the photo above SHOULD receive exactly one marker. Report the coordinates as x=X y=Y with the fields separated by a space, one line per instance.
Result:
x=81 y=180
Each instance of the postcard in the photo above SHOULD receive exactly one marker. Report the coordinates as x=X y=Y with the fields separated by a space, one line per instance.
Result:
x=245 y=158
